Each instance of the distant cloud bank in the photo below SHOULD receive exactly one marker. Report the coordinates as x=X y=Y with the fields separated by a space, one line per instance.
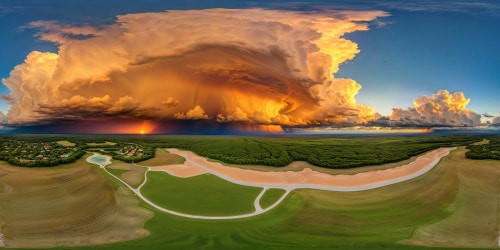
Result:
x=440 y=109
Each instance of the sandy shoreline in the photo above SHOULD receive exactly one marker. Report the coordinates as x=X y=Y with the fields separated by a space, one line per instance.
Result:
x=308 y=177
x=185 y=170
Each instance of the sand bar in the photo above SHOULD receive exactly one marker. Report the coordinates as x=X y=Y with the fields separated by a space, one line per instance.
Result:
x=308 y=178
x=188 y=169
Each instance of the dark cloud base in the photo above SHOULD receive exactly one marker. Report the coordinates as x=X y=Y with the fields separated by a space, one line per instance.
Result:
x=170 y=127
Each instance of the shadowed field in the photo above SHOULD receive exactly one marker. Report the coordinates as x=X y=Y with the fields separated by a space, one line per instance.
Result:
x=70 y=205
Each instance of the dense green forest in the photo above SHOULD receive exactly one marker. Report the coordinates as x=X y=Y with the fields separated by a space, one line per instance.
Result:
x=324 y=151
x=490 y=150
x=320 y=151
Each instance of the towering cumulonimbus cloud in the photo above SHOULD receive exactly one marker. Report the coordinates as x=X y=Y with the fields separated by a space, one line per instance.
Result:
x=230 y=65
x=440 y=109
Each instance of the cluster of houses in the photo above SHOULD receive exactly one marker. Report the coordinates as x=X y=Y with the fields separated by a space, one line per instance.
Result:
x=26 y=152
x=131 y=150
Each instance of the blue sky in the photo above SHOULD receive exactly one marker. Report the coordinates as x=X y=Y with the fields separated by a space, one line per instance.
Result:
x=421 y=52
x=421 y=48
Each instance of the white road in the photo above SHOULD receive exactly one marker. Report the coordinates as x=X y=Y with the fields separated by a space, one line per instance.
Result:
x=137 y=191
x=258 y=209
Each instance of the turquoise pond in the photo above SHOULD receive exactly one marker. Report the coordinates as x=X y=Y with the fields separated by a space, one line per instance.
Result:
x=98 y=159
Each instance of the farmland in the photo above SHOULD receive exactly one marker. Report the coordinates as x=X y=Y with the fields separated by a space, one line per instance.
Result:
x=453 y=205
x=474 y=221
x=70 y=205
x=163 y=157
x=397 y=216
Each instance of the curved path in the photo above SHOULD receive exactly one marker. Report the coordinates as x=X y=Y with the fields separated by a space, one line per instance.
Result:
x=137 y=191
x=258 y=209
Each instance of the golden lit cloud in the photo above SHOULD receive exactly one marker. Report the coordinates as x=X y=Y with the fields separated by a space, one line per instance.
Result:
x=194 y=114
x=440 y=109
x=170 y=102
x=268 y=67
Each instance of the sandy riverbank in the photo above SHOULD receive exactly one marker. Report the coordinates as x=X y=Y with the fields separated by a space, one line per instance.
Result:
x=187 y=169
x=310 y=177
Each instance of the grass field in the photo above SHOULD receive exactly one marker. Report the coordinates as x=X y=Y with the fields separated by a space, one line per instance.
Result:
x=66 y=143
x=483 y=142
x=454 y=201
x=308 y=219
x=311 y=219
x=69 y=205
x=476 y=210
x=162 y=157
x=130 y=173
x=201 y=195
x=107 y=143
x=271 y=196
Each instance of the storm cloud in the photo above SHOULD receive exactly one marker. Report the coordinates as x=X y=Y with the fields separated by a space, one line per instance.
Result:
x=253 y=68
x=257 y=66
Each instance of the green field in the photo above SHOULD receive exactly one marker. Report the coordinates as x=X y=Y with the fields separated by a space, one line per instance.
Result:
x=455 y=203
x=162 y=157
x=100 y=144
x=382 y=218
x=130 y=173
x=117 y=172
x=476 y=211
x=66 y=143
x=200 y=195
x=271 y=196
